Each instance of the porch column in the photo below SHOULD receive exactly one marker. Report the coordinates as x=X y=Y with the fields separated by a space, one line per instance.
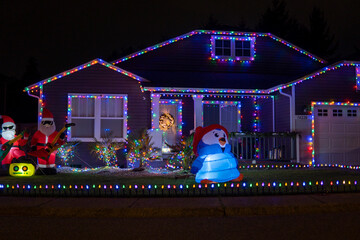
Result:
x=155 y=110
x=198 y=111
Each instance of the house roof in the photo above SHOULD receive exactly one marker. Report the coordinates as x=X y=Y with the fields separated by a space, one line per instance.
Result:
x=319 y=72
x=257 y=91
x=216 y=32
x=83 y=66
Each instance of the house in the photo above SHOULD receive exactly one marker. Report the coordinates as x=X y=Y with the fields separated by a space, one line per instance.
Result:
x=249 y=82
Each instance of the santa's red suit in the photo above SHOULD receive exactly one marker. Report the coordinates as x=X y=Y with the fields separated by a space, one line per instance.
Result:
x=14 y=152
x=40 y=140
x=8 y=130
x=45 y=136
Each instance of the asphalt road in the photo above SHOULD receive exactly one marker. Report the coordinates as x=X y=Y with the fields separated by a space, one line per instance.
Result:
x=338 y=225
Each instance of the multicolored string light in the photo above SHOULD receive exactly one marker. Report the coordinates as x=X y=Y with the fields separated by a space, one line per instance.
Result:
x=67 y=152
x=178 y=103
x=313 y=75
x=313 y=104
x=358 y=78
x=256 y=126
x=223 y=33
x=98 y=96
x=232 y=58
x=83 y=66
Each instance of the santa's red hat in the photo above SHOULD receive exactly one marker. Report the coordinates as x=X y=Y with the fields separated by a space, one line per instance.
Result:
x=201 y=131
x=47 y=115
x=7 y=121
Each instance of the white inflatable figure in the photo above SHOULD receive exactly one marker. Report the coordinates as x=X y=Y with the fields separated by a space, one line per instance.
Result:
x=215 y=162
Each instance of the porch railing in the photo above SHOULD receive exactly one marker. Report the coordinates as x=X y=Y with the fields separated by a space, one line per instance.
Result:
x=282 y=146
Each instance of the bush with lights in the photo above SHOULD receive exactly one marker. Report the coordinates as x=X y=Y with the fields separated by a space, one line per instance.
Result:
x=140 y=150
x=67 y=152
x=183 y=154
x=105 y=150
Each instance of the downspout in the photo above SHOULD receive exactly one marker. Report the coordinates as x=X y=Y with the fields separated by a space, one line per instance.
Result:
x=292 y=123
x=291 y=108
x=273 y=114
x=39 y=105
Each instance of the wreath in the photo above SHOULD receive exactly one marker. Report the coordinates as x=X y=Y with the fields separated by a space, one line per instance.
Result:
x=166 y=121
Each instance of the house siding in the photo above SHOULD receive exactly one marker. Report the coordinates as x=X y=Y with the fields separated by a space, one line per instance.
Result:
x=282 y=113
x=97 y=80
x=247 y=114
x=188 y=115
x=187 y=63
x=337 y=85
x=265 y=115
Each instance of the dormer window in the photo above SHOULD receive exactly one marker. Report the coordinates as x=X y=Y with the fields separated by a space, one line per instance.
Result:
x=232 y=48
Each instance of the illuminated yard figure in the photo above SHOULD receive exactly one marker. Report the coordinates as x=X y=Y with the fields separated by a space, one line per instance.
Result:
x=10 y=143
x=45 y=142
x=214 y=162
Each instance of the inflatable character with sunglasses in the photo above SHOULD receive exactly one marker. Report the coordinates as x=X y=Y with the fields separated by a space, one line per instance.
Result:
x=7 y=134
x=44 y=136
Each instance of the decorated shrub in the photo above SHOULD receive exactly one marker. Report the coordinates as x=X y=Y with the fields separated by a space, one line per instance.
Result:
x=140 y=150
x=183 y=154
x=105 y=150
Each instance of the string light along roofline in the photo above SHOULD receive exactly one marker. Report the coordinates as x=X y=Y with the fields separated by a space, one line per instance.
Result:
x=332 y=67
x=83 y=66
x=217 y=32
x=169 y=90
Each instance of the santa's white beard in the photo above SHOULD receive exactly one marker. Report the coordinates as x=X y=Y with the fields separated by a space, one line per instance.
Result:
x=8 y=135
x=47 y=130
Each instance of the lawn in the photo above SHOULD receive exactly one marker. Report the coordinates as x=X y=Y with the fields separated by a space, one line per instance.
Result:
x=114 y=182
x=153 y=177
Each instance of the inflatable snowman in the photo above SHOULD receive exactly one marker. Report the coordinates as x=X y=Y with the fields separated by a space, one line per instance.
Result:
x=214 y=162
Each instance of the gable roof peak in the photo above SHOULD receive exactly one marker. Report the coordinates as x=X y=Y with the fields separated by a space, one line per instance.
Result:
x=83 y=66
x=218 y=32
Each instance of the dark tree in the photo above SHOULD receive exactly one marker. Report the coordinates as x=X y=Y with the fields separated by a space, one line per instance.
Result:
x=21 y=107
x=5 y=81
x=31 y=74
x=320 y=41
x=211 y=24
x=116 y=55
x=276 y=20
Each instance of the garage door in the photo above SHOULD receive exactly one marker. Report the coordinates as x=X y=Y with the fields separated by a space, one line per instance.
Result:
x=337 y=134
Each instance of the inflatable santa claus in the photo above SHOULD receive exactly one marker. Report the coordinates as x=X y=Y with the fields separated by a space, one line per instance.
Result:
x=8 y=133
x=45 y=136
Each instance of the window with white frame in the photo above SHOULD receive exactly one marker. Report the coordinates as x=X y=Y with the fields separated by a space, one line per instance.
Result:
x=232 y=48
x=97 y=115
x=226 y=114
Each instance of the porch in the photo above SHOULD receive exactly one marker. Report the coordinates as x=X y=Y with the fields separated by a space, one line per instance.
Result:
x=257 y=147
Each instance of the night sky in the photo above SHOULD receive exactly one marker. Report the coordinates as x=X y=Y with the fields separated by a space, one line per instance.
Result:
x=63 y=34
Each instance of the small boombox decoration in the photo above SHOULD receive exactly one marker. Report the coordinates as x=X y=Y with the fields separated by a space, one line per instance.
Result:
x=21 y=169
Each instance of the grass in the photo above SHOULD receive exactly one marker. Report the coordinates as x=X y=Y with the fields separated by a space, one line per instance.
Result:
x=114 y=184
x=250 y=176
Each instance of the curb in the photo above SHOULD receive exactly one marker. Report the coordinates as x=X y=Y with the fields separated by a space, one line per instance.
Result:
x=127 y=212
